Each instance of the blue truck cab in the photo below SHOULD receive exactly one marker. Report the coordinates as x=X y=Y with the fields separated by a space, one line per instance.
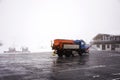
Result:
x=82 y=45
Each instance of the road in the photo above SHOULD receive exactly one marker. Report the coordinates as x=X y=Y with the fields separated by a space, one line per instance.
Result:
x=98 y=65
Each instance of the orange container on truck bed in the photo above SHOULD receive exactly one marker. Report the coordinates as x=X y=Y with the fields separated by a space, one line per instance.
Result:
x=58 y=43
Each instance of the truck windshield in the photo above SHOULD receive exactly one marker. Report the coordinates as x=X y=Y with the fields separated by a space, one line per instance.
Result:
x=82 y=43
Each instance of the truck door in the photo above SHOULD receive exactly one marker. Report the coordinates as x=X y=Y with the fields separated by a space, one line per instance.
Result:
x=82 y=44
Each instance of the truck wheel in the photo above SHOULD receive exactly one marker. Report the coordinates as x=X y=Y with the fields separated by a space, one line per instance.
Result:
x=60 y=54
x=80 y=53
x=67 y=55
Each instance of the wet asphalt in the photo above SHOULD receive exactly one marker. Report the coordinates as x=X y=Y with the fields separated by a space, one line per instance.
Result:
x=97 y=65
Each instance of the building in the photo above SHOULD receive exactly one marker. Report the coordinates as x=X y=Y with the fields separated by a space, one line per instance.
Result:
x=25 y=49
x=106 y=42
x=13 y=50
x=10 y=50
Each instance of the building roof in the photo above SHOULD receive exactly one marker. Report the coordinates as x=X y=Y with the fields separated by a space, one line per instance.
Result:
x=99 y=36
x=106 y=42
x=113 y=39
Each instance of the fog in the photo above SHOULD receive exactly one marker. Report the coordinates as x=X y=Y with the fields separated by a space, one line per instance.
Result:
x=34 y=23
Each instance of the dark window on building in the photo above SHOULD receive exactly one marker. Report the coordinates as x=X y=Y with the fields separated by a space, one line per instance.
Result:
x=103 y=47
x=98 y=45
x=108 y=46
x=117 y=45
x=115 y=38
x=113 y=46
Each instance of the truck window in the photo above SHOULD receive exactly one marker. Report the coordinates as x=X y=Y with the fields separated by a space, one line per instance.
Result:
x=82 y=43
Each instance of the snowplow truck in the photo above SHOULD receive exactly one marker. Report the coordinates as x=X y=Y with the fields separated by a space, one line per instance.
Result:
x=66 y=47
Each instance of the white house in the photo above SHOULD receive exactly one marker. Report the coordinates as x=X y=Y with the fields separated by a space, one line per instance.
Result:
x=106 y=42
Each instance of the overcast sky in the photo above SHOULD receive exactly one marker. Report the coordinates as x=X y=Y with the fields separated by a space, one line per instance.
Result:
x=34 y=23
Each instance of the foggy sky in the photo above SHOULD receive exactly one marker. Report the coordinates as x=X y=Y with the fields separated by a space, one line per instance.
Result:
x=34 y=23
